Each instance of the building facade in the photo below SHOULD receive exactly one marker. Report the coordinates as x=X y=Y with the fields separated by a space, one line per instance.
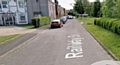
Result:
x=16 y=12
x=40 y=8
x=60 y=11
x=52 y=12
x=13 y=12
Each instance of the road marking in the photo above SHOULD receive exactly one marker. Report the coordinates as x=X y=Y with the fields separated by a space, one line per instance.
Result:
x=73 y=55
x=75 y=35
x=75 y=46
x=20 y=46
x=43 y=32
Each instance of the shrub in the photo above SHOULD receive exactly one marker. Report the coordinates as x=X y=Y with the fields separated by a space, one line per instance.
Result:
x=1 y=25
x=109 y=23
x=118 y=29
x=40 y=21
x=106 y=23
x=36 y=21
x=113 y=27
x=97 y=21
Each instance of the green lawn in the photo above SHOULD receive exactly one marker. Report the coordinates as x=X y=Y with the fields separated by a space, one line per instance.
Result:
x=108 y=38
x=6 y=38
x=86 y=19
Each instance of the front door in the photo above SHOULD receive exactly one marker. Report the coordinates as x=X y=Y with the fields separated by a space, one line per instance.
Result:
x=8 y=19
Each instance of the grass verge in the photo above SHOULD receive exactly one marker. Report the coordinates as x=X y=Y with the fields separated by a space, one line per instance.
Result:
x=109 y=39
x=86 y=19
x=27 y=26
x=6 y=38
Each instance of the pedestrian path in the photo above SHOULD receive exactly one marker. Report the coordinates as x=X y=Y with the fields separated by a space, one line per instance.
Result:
x=14 y=44
x=10 y=30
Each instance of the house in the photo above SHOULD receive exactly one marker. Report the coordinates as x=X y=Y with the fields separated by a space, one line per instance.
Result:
x=60 y=11
x=13 y=12
x=40 y=8
x=52 y=12
x=16 y=12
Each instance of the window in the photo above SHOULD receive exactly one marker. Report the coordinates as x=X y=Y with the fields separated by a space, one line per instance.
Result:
x=4 y=3
x=15 y=0
x=36 y=0
x=21 y=4
x=22 y=18
x=0 y=5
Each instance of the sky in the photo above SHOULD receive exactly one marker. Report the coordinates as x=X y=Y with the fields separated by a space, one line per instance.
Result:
x=66 y=3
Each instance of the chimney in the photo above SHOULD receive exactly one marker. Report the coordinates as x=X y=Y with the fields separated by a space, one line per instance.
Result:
x=56 y=2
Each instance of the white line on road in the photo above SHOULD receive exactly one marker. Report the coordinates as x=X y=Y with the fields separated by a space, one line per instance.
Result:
x=75 y=46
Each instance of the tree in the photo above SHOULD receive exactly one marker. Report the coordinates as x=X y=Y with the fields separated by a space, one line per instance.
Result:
x=97 y=7
x=116 y=10
x=72 y=12
x=108 y=10
x=79 y=8
x=86 y=5
x=92 y=9
x=88 y=9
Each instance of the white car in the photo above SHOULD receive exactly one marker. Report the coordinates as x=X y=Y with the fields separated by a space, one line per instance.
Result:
x=69 y=17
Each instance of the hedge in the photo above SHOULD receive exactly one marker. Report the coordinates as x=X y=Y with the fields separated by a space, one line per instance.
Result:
x=40 y=21
x=112 y=24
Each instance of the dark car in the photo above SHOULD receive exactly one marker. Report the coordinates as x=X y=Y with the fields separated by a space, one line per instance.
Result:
x=63 y=19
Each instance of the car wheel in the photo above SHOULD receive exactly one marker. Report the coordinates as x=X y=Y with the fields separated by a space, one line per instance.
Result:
x=51 y=26
x=60 y=26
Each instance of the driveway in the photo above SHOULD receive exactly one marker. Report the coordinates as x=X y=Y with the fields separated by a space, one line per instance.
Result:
x=10 y=30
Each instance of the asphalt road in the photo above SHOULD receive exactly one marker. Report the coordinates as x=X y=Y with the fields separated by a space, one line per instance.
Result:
x=69 y=45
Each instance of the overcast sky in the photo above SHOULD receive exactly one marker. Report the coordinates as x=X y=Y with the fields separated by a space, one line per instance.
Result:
x=66 y=3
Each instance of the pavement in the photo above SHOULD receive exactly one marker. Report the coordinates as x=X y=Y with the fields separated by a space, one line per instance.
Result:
x=26 y=34
x=10 y=30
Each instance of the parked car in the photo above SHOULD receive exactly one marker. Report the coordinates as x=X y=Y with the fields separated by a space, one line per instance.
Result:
x=56 y=23
x=63 y=19
x=69 y=17
x=82 y=15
